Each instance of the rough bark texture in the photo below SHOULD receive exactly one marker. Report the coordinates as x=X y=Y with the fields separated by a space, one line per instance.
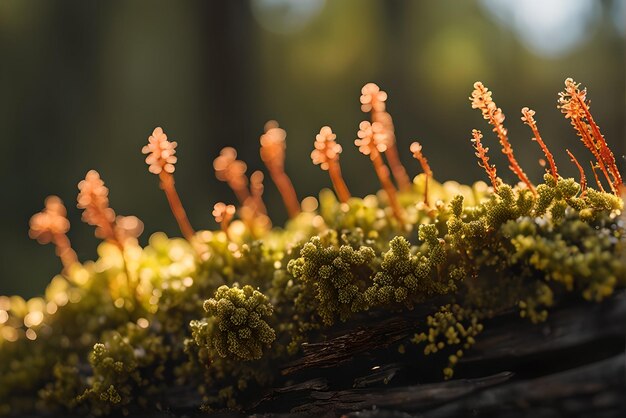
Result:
x=572 y=365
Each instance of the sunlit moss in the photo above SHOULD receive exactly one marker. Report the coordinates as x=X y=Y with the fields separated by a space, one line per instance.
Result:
x=236 y=323
x=104 y=348
x=218 y=314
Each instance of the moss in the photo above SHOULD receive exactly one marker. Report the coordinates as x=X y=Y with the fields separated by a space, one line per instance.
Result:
x=510 y=250
x=235 y=325
x=217 y=315
x=337 y=274
x=453 y=329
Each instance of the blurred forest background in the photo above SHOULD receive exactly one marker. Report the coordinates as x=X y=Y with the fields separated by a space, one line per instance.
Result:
x=83 y=83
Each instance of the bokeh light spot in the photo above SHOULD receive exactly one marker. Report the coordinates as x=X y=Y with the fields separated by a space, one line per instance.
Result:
x=286 y=16
x=549 y=28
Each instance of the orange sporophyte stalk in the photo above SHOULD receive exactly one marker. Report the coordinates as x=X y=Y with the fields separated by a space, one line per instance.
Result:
x=481 y=99
x=326 y=155
x=594 y=167
x=585 y=135
x=416 y=150
x=273 y=155
x=529 y=119
x=254 y=212
x=256 y=192
x=605 y=151
x=583 y=179
x=574 y=104
x=161 y=160
x=223 y=214
x=51 y=225
x=93 y=198
x=232 y=171
x=372 y=141
x=481 y=153
x=373 y=100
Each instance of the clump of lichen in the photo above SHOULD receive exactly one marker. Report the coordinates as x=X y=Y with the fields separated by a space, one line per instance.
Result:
x=217 y=314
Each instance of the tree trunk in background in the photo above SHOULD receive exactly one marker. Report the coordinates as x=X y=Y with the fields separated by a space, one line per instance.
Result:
x=230 y=60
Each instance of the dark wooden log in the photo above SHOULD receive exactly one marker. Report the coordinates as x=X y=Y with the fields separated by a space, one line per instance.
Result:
x=406 y=398
x=571 y=365
x=505 y=335
x=567 y=327
x=596 y=389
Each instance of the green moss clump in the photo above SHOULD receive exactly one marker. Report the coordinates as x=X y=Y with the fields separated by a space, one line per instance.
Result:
x=405 y=278
x=235 y=325
x=336 y=274
x=128 y=367
x=452 y=328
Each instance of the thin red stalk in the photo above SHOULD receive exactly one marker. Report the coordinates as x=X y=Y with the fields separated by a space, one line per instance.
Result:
x=528 y=119
x=416 y=149
x=514 y=165
x=595 y=174
x=256 y=192
x=604 y=151
x=382 y=171
x=167 y=184
x=583 y=179
x=481 y=153
x=397 y=169
x=374 y=100
x=481 y=99
x=64 y=250
x=587 y=140
x=334 y=170
x=286 y=190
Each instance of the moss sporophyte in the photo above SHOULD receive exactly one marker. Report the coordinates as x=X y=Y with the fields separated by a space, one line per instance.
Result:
x=218 y=313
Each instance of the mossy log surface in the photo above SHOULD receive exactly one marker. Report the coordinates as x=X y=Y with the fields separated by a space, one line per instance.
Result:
x=574 y=364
